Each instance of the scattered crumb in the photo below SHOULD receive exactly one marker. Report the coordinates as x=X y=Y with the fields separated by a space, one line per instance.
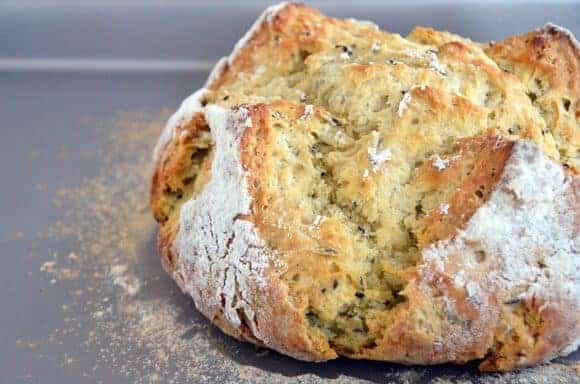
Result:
x=68 y=360
x=129 y=284
x=48 y=266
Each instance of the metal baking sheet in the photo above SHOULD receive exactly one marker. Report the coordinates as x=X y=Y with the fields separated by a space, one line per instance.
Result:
x=66 y=70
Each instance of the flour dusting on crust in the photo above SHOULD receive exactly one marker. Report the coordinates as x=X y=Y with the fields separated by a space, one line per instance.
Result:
x=567 y=32
x=364 y=23
x=221 y=65
x=188 y=108
x=525 y=235
x=377 y=157
x=220 y=254
x=404 y=104
x=266 y=17
x=439 y=163
x=216 y=72
x=435 y=64
x=406 y=99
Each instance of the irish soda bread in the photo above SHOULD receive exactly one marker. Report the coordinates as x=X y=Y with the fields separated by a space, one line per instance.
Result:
x=339 y=190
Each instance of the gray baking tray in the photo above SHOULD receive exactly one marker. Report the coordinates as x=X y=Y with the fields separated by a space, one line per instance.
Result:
x=67 y=71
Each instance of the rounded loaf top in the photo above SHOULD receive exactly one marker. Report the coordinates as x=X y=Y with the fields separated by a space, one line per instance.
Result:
x=340 y=190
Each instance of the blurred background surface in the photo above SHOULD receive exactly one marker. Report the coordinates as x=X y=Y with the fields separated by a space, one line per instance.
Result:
x=190 y=35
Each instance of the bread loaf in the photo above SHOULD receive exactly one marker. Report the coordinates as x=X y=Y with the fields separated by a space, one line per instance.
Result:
x=337 y=190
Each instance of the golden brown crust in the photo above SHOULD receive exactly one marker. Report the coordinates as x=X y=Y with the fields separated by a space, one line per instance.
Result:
x=360 y=176
x=472 y=172
x=547 y=61
x=297 y=31
x=173 y=171
x=279 y=324
x=290 y=327
x=182 y=162
x=286 y=24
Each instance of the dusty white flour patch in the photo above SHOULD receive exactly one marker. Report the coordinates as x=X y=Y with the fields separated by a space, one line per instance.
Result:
x=248 y=122
x=406 y=99
x=545 y=230
x=526 y=235
x=375 y=47
x=439 y=163
x=444 y=208
x=308 y=111
x=473 y=292
x=430 y=56
x=377 y=157
x=221 y=255
x=260 y=70
x=318 y=219
x=404 y=103
x=434 y=63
